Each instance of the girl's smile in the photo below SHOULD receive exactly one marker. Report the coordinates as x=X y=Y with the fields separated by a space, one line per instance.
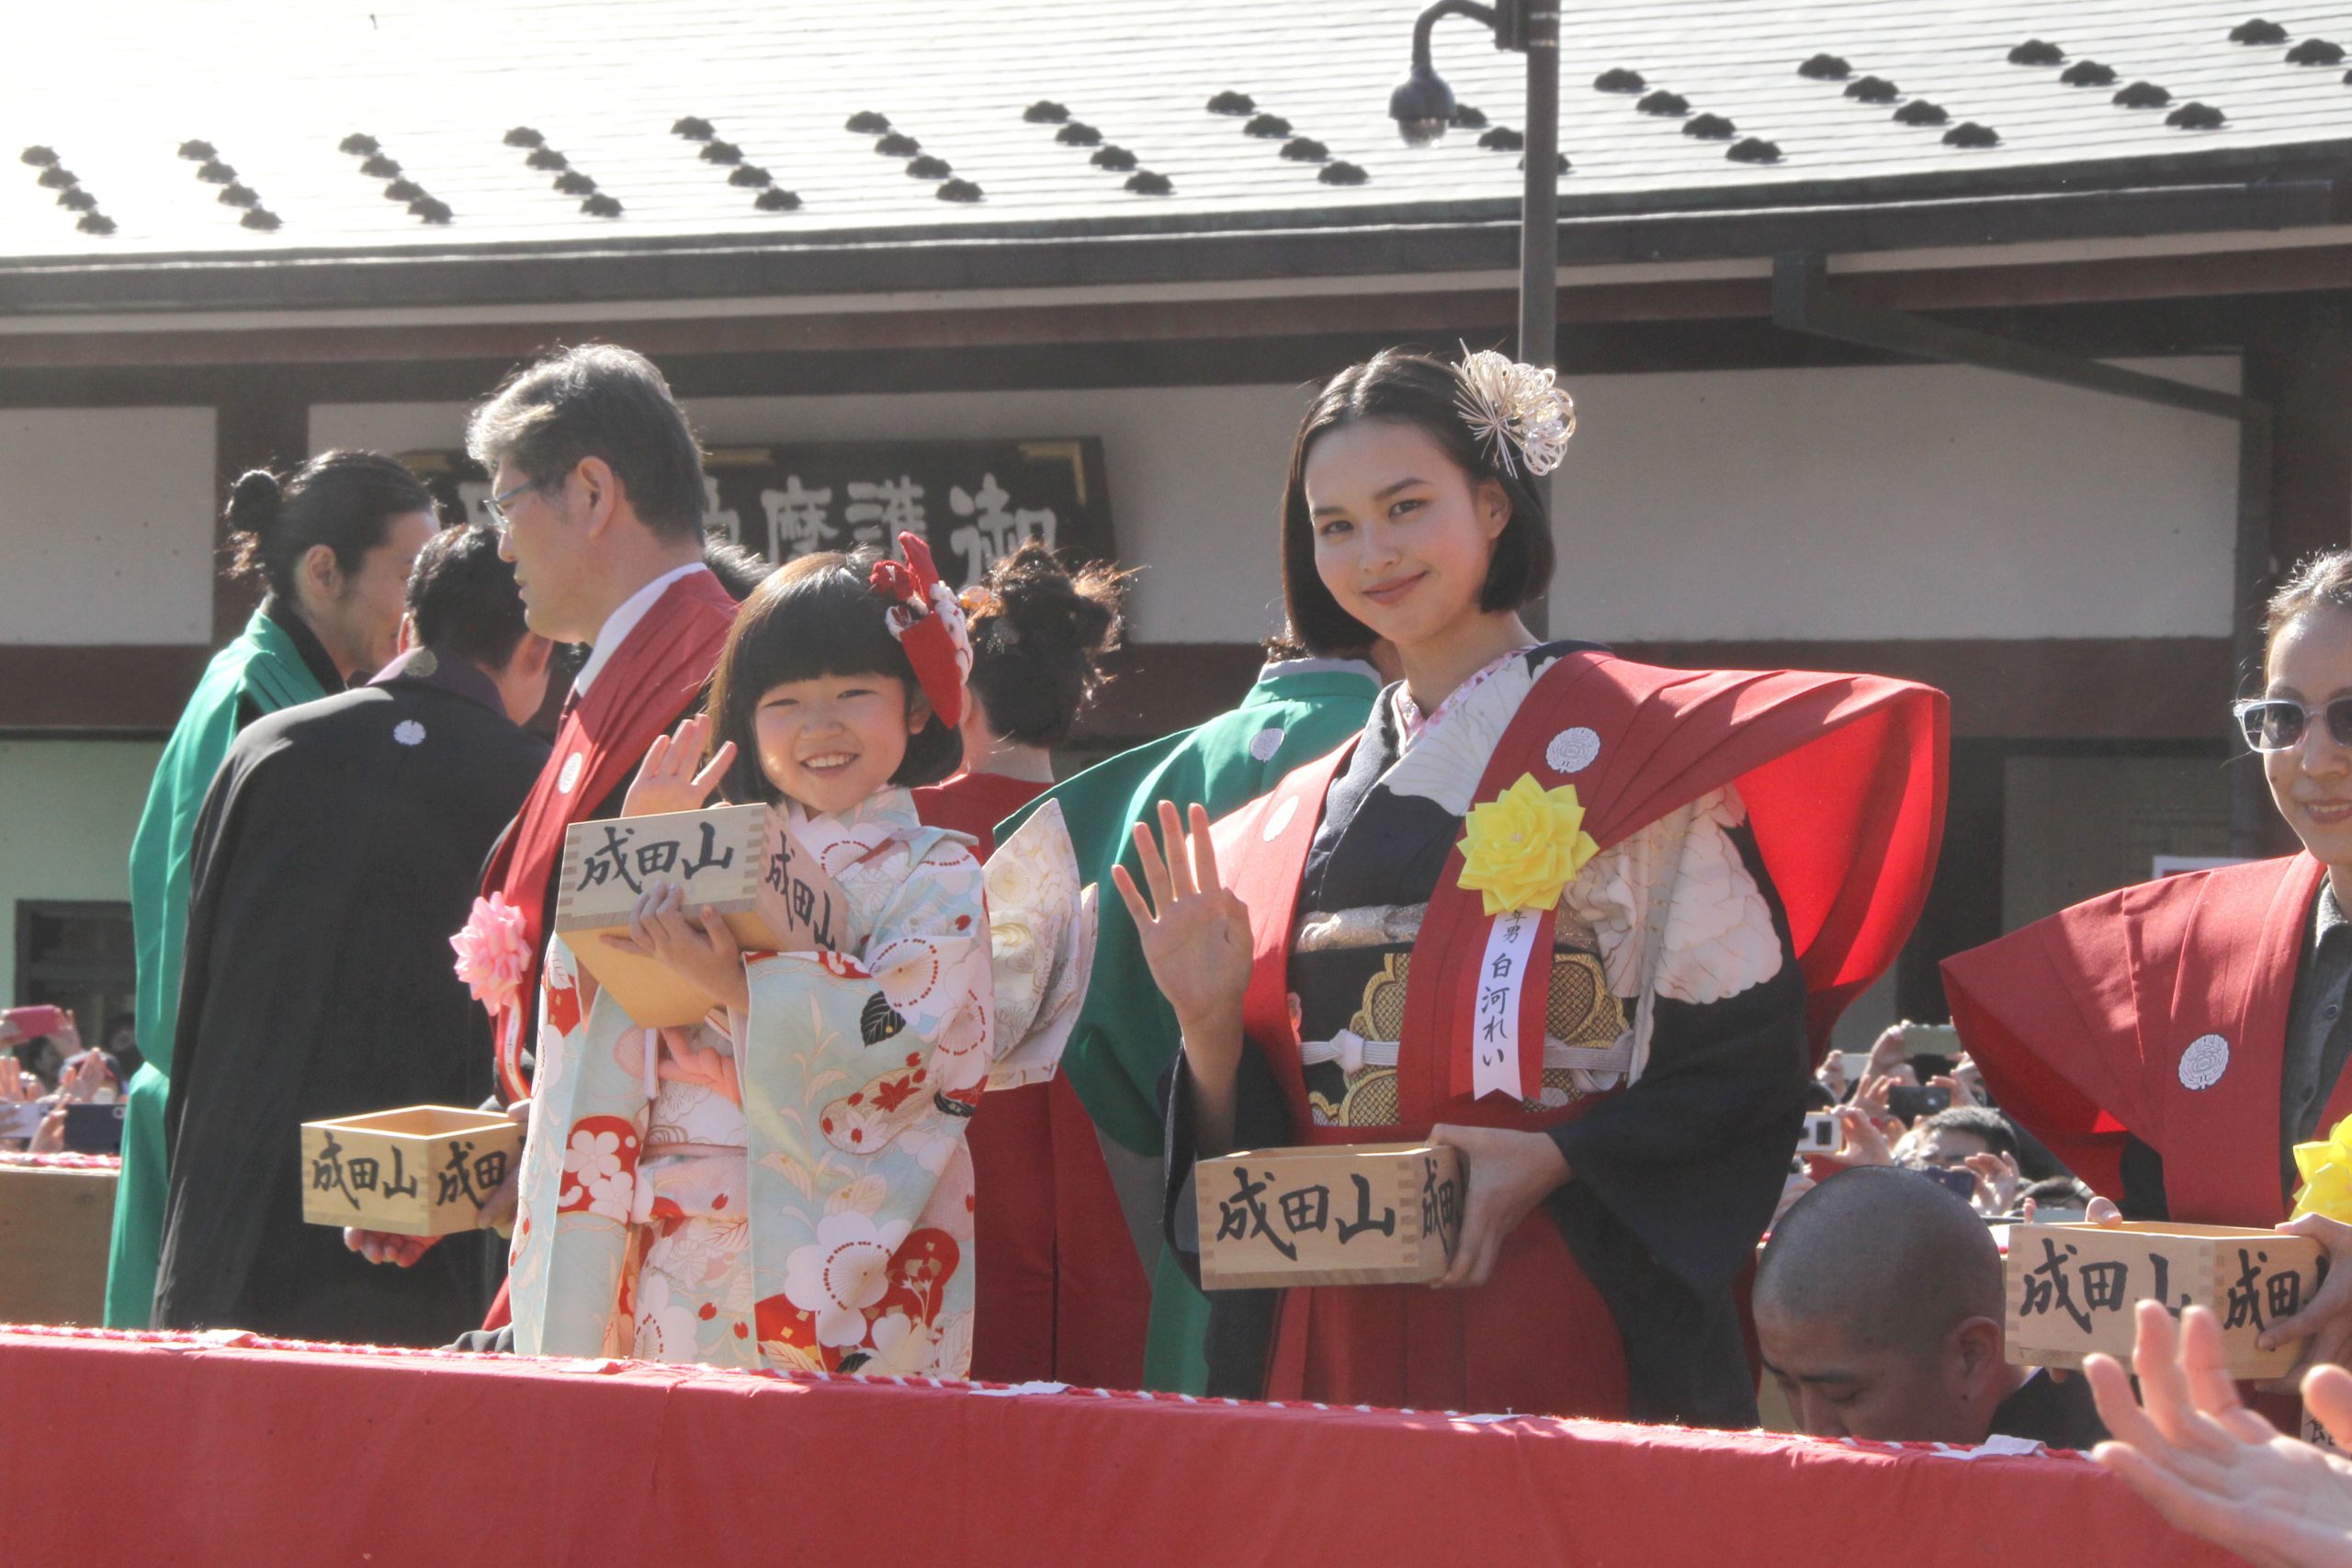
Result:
x=830 y=741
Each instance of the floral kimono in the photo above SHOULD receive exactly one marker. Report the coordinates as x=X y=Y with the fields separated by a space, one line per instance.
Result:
x=789 y=1187
x=1589 y=898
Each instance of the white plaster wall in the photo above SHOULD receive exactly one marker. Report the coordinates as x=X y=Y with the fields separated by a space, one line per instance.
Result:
x=1897 y=502
x=106 y=525
x=1893 y=501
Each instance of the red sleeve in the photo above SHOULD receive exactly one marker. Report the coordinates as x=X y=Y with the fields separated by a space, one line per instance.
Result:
x=2050 y=1015
x=1843 y=776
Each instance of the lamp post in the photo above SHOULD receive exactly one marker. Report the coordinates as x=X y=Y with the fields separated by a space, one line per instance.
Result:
x=1422 y=106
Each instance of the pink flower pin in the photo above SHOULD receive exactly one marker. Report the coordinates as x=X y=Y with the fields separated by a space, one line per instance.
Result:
x=492 y=951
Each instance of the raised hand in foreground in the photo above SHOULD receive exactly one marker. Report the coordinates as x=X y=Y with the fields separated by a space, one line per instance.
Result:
x=1195 y=937
x=2211 y=1466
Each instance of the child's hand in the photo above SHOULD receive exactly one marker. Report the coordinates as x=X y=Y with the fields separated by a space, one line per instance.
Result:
x=701 y=950
x=666 y=780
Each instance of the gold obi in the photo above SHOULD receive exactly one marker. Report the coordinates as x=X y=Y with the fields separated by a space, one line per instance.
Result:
x=1582 y=1016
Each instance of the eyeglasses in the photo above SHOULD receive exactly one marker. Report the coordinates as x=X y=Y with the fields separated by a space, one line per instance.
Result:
x=497 y=503
x=2273 y=724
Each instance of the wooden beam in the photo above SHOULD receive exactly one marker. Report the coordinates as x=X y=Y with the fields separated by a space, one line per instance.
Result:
x=1392 y=316
x=2126 y=689
x=133 y=690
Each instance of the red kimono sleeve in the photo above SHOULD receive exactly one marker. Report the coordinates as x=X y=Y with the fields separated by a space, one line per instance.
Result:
x=2050 y=1014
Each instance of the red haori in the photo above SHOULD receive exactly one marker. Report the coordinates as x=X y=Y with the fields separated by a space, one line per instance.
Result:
x=655 y=675
x=1843 y=777
x=1852 y=854
x=2081 y=1023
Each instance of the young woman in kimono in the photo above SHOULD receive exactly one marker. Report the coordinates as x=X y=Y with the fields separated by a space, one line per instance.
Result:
x=2173 y=1041
x=1584 y=919
x=1061 y=1291
x=787 y=1184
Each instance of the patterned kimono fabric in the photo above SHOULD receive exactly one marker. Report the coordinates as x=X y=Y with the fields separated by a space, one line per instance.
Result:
x=1368 y=886
x=787 y=1189
x=1667 y=1053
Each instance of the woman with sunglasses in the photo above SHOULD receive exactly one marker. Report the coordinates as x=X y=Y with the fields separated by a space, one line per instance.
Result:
x=2174 y=1041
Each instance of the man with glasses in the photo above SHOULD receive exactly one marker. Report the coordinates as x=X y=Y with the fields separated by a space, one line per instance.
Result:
x=2173 y=1041
x=597 y=494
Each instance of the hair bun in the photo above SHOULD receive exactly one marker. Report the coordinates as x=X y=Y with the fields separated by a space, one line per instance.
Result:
x=1038 y=633
x=254 y=501
x=1039 y=606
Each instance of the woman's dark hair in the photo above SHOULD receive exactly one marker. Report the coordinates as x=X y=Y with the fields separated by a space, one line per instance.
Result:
x=816 y=616
x=738 y=570
x=1406 y=389
x=463 y=597
x=2325 y=578
x=597 y=401
x=1037 y=632
x=341 y=500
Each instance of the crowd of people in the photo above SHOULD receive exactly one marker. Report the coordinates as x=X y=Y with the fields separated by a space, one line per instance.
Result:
x=1587 y=921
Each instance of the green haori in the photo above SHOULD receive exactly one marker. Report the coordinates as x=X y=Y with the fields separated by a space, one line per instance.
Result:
x=264 y=665
x=1125 y=1037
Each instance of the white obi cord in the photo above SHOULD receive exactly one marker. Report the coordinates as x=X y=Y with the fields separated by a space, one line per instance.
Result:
x=1354 y=1052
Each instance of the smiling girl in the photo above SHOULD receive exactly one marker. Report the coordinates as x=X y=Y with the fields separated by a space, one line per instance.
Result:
x=1572 y=915
x=785 y=1184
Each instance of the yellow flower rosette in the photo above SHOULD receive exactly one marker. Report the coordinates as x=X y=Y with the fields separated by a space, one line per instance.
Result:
x=2326 y=1169
x=1524 y=846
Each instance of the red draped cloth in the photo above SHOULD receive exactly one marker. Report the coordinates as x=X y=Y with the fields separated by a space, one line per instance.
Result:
x=2158 y=1011
x=261 y=1454
x=1843 y=777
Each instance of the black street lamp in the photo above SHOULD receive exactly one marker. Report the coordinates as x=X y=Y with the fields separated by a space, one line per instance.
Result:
x=1422 y=107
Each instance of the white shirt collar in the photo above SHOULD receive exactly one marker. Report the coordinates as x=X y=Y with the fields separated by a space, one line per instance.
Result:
x=623 y=621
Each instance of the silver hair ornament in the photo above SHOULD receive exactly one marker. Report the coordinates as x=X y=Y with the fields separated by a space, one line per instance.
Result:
x=1511 y=407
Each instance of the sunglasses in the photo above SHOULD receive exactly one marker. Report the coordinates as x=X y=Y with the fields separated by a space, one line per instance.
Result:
x=2273 y=724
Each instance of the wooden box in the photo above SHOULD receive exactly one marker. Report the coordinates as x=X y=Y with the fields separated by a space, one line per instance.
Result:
x=734 y=859
x=54 y=1229
x=2072 y=1288
x=1342 y=1214
x=422 y=1171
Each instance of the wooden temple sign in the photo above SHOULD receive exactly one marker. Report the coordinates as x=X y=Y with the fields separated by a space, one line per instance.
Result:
x=971 y=501
x=1340 y=1214
x=423 y=1171
x=738 y=860
x=2073 y=1288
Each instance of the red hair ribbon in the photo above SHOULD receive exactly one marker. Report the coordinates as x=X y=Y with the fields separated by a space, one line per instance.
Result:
x=929 y=624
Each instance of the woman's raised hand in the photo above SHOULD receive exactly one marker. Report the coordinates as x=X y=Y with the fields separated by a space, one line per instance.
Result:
x=667 y=780
x=1195 y=935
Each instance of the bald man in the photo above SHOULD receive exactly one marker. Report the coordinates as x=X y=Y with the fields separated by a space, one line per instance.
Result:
x=1878 y=1304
